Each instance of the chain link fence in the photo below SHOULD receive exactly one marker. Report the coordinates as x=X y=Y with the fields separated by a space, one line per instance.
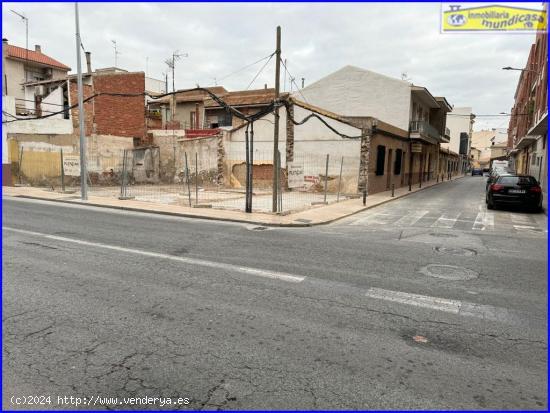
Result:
x=194 y=179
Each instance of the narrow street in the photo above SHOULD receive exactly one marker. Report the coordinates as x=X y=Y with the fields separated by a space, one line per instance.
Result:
x=426 y=302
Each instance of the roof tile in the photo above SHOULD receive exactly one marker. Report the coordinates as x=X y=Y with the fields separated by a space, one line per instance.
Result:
x=33 y=56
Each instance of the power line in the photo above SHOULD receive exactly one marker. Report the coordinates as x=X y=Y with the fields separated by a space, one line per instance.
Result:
x=212 y=95
x=489 y=116
x=244 y=67
x=316 y=116
x=260 y=71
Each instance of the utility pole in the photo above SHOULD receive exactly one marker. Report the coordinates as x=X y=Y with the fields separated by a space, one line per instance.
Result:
x=26 y=19
x=83 y=171
x=276 y=126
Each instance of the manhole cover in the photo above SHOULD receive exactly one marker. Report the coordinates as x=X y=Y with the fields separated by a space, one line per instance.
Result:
x=448 y=272
x=442 y=235
x=456 y=251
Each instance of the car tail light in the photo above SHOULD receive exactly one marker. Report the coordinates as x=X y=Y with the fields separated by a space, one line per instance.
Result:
x=496 y=187
x=536 y=189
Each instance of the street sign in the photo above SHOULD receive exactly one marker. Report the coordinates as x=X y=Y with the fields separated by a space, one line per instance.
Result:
x=295 y=175
x=416 y=148
x=71 y=165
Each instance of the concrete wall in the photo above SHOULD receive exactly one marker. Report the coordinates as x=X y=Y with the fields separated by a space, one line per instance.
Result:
x=47 y=126
x=202 y=157
x=312 y=142
x=183 y=114
x=41 y=155
x=458 y=121
x=352 y=91
x=168 y=145
x=379 y=183
x=15 y=76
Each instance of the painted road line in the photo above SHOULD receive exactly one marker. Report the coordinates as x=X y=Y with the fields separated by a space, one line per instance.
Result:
x=484 y=220
x=446 y=221
x=527 y=228
x=192 y=261
x=434 y=303
x=411 y=218
x=458 y=307
x=379 y=218
x=522 y=219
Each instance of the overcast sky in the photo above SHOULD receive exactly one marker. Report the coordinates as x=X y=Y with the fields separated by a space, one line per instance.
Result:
x=317 y=39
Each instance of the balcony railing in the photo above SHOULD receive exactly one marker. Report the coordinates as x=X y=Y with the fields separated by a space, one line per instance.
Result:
x=424 y=128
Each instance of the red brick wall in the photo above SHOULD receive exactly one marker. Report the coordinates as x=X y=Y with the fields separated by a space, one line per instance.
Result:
x=116 y=115
x=88 y=107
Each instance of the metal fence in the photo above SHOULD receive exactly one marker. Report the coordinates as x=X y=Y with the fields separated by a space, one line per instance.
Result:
x=195 y=179
x=308 y=180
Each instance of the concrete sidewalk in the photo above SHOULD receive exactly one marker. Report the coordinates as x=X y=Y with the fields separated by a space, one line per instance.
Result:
x=316 y=215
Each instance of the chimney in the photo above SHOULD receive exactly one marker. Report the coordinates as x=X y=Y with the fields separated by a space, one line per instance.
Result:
x=89 y=62
x=37 y=48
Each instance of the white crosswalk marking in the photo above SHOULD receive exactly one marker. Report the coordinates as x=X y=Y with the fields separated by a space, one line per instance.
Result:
x=375 y=219
x=521 y=219
x=484 y=220
x=411 y=218
x=446 y=221
x=527 y=228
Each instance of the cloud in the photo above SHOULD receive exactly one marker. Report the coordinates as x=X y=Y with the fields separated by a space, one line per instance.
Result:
x=317 y=38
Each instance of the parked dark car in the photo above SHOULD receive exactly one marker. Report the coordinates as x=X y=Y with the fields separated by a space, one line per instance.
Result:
x=477 y=171
x=520 y=190
x=495 y=173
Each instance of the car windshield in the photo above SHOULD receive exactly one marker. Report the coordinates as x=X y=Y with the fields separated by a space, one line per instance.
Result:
x=517 y=180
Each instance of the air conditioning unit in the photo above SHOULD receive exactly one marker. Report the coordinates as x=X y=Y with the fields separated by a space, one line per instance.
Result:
x=40 y=90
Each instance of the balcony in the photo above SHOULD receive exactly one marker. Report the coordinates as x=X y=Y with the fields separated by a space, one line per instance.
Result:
x=423 y=130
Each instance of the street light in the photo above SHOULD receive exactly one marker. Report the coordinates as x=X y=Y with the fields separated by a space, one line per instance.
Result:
x=521 y=70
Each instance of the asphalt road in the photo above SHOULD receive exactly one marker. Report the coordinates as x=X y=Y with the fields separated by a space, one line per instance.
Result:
x=427 y=302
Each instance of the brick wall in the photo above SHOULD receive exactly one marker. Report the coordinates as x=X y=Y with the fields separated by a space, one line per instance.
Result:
x=88 y=107
x=116 y=115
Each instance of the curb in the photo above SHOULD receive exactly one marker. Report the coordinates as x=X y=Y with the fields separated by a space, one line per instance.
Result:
x=235 y=220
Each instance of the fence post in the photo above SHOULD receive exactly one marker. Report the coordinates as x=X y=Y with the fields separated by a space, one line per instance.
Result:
x=340 y=180
x=326 y=180
x=279 y=192
x=62 y=172
x=123 y=177
x=187 y=179
x=196 y=178
x=20 y=164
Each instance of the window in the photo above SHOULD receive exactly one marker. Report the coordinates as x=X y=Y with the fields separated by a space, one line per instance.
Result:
x=398 y=160
x=380 y=159
x=517 y=180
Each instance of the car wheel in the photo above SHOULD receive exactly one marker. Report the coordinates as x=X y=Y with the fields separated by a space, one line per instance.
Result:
x=490 y=204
